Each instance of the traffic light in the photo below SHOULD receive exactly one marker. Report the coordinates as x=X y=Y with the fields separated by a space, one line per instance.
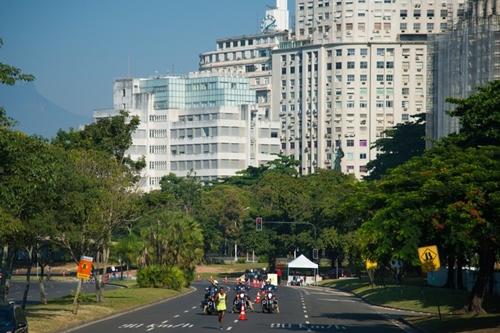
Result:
x=258 y=224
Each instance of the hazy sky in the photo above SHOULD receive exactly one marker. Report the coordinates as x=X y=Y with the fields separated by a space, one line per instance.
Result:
x=77 y=48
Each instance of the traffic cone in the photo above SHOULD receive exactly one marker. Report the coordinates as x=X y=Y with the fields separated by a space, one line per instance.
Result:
x=257 y=299
x=243 y=315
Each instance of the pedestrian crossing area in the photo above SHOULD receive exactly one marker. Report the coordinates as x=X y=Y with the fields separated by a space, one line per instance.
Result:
x=309 y=327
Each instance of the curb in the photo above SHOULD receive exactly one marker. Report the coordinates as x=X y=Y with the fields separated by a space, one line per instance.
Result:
x=119 y=314
x=400 y=319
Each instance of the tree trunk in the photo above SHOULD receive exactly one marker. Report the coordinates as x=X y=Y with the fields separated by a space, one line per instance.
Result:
x=98 y=278
x=450 y=281
x=460 y=277
x=77 y=295
x=7 y=264
x=43 y=294
x=4 y=274
x=31 y=255
x=486 y=268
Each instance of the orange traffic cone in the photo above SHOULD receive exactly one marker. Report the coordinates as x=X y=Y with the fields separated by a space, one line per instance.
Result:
x=257 y=299
x=243 y=315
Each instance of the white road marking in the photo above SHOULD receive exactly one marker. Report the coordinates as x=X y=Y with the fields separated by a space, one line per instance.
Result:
x=176 y=316
x=186 y=311
x=194 y=307
x=229 y=328
x=306 y=316
x=164 y=322
x=235 y=321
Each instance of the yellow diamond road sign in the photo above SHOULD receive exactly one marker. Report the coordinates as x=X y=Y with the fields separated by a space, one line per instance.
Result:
x=429 y=258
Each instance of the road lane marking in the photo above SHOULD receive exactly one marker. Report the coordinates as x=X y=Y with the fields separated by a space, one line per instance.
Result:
x=229 y=328
x=235 y=321
x=176 y=316
x=186 y=311
x=194 y=307
x=306 y=316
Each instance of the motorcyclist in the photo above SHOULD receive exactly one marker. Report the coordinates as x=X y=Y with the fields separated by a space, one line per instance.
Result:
x=268 y=286
x=242 y=288
x=212 y=290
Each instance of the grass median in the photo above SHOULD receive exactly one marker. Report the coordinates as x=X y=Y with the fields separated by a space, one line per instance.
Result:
x=416 y=296
x=219 y=271
x=57 y=314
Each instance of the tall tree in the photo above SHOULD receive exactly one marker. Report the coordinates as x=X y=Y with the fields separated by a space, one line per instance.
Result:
x=111 y=135
x=479 y=116
x=450 y=196
x=398 y=145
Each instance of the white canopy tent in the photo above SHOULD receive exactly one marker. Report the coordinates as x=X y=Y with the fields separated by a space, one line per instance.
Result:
x=302 y=262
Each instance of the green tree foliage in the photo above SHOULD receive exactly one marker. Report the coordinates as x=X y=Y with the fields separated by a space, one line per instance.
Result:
x=111 y=135
x=450 y=197
x=479 y=116
x=172 y=239
x=399 y=144
x=9 y=75
x=185 y=192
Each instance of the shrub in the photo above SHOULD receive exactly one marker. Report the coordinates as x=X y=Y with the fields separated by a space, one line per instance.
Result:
x=156 y=276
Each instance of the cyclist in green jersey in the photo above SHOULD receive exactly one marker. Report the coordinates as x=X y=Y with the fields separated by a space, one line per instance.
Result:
x=220 y=304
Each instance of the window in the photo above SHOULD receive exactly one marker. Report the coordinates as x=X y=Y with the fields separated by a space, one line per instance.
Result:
x=351 y=52
x=380 y=52
x=338 y=53
x=380 y=64
x=389 y=78
x=403 y=26
x=430 y=13
x=405 y=117
x=389 y=64
x=350 y=78
x=362 y=156
x=403 y=13
x=363 y=64
x=416 y=26
x=338 y=65
x=363 y=77
x=350 y=65
x=380 y=77
x=363 y=52
x=350 y=143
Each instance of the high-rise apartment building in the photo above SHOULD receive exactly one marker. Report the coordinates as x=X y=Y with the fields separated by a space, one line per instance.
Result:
x=354 y=69
x=250 y=55
x=200 y=123
x=460 y=60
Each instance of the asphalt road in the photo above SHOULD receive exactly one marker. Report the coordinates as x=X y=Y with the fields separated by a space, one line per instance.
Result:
x=53 y=289
x=302 y=310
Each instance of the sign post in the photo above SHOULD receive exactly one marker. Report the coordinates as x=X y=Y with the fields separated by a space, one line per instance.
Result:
x=429 y=260
x=82 y=273
x=371 y=266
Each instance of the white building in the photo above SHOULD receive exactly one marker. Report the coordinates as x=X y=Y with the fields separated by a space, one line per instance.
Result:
x=201 y=123
x=250 y=55
x=462 y=59
x=355 y=69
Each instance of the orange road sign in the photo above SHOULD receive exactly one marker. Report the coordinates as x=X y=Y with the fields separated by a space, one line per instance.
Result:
x=429 y=258
x=84 y=268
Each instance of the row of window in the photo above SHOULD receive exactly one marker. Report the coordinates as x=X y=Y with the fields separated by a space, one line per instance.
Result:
x=204 y=132
x=207 y=164
x=208 y=148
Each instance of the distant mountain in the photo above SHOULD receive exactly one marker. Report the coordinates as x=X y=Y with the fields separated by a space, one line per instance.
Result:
x=34 y=113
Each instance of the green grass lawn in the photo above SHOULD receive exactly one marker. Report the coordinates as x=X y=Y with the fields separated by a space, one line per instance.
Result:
x=233 y=270
x=415 y=296
x=57 y=314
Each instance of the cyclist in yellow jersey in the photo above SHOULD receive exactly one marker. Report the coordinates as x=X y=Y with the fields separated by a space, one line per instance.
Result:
x=220 y=304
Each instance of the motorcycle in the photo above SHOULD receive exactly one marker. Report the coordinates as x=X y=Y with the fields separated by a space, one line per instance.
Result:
x=208 y=304
x=270 y=303
x=240 y=299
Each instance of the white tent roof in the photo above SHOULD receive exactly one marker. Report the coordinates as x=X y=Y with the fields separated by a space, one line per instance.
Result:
x=302 y=262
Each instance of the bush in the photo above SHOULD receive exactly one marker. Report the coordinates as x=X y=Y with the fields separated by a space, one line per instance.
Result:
x=241 y=261
x=156 y=276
